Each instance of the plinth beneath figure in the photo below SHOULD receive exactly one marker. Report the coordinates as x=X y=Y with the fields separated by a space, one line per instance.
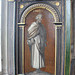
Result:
x=38 y=72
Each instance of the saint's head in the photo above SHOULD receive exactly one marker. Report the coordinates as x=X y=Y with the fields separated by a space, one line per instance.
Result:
x=38 y=18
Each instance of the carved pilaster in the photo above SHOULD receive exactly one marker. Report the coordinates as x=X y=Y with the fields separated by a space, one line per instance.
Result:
x=58 y=47
x=21 y=48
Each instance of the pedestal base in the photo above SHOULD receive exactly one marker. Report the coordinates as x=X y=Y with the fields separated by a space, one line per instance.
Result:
x=38 y=72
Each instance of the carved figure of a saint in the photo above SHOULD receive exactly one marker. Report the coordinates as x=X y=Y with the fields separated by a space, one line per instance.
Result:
x=36 y=39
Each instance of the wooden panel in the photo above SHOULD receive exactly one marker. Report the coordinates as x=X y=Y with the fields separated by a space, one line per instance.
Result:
x=47 y=21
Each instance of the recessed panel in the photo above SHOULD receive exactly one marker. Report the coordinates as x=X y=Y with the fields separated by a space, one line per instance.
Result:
x=48 y=62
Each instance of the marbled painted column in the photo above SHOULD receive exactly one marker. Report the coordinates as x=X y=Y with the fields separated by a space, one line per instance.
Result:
x=67 y=37
x=21 y=48
x=4 y=37
x=58 y=47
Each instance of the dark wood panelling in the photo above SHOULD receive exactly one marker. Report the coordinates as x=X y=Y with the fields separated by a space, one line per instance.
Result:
x=20 y=51
x=59 y=50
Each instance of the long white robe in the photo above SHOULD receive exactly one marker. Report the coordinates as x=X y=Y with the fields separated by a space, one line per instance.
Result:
x=37 y=53
x=36 y=58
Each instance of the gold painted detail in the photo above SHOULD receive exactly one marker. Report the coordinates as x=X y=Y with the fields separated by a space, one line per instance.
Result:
x=21 y=23
x=42 y=6
x=20 y=26
x=23 y=50
x=21 y=6
x=57 y=4
x=55 y=47
x=58 y=25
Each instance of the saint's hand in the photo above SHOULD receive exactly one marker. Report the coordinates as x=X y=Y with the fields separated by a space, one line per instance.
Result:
x=28 y=42
x=31 y=41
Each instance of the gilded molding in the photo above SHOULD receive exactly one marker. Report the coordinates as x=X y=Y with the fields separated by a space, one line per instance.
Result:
x=43 y=6
x=21 y=23
x=55 y=46
x=20 y=26
x=23 y=50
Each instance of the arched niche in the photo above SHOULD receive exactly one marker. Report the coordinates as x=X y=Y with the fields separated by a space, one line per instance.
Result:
x=40 y=5
x=51 y=40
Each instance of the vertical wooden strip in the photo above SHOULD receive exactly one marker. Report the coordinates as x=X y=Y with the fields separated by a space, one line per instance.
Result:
x=67 y=37
x=55 y=46
x=21 y=49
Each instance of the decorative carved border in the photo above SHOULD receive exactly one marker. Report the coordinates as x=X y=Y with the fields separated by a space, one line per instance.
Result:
x=43 y=6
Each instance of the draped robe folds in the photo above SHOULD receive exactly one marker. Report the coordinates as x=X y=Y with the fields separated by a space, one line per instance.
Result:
x=37 y=41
